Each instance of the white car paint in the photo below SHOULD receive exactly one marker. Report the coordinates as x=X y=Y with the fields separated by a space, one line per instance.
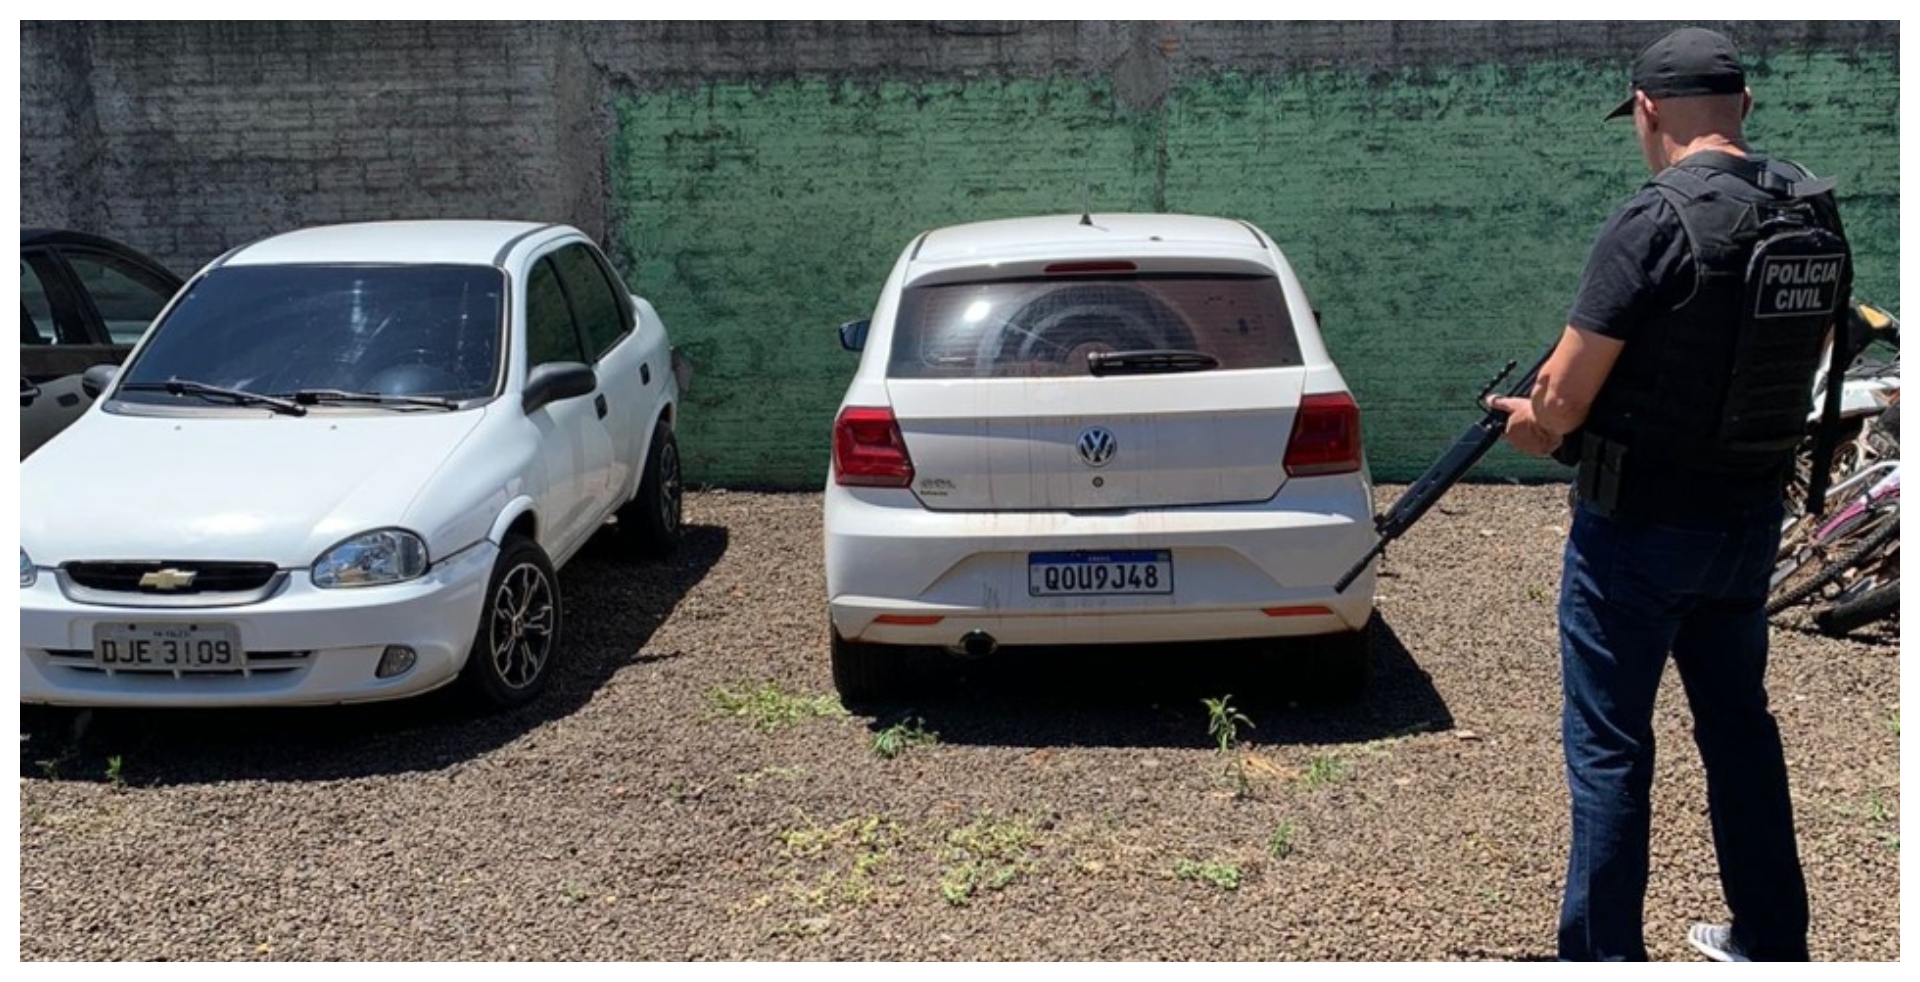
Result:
x=209 y=482
x=1198 y=472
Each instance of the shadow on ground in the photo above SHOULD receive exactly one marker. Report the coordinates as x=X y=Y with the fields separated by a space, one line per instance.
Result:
x=1151 y=696
x=613 y=606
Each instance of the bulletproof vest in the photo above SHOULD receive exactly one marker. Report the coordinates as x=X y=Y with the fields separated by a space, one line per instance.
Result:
x=1722 y=382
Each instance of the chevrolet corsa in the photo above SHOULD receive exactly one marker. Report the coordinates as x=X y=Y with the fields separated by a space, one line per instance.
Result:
x=1093 y=430
x=343 y=466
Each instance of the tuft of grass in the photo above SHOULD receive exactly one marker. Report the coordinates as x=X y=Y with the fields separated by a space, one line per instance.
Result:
x=894 y=740
x=987 y=853
x=1280 y=843
x=1226 y=876
x=1323 y=770
x=855 y=853
x=770 y=709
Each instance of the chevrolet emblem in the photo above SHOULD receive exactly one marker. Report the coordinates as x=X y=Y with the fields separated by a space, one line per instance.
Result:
x=168 y=579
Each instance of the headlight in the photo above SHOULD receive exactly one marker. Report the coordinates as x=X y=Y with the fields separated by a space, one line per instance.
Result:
x=386 y=556
x=27 y=573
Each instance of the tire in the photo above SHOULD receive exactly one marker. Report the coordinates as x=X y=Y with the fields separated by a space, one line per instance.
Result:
x=650 y=523
x=865 y=674
x=513 y=654
x=1809 y=573
x=1845 y=618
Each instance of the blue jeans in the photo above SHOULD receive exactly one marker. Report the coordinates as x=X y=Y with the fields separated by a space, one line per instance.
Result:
x=1630 y=594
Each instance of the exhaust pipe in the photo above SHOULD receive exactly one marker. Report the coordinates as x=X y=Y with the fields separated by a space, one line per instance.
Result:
x=976 y=644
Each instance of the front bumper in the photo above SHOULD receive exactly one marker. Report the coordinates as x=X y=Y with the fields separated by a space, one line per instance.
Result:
x=304 y=645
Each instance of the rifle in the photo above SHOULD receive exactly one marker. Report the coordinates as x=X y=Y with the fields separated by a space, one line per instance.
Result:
x=1448 y=470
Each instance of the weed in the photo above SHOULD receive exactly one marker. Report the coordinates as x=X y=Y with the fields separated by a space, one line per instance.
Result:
x=116 y=772
x=769 y=709
x=1323 y=770
x=986 y=854
x=1280 y=843
x=1539 y=594
x=868 y=840
x=1226 y=876
x=574 y=891
x=1893 y=722
x=1223 y=724
x=894 y=740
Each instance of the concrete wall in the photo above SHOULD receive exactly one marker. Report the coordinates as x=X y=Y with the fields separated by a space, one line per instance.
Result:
x=1435 y=184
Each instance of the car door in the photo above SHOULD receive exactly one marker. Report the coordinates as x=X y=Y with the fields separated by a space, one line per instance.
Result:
x=605 y=317
x=575 y=450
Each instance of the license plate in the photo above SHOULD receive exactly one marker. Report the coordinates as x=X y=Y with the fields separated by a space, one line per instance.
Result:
x=1093 y=574
x=168 y=647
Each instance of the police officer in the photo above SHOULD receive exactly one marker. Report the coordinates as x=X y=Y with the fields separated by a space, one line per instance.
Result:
x=1680 y=386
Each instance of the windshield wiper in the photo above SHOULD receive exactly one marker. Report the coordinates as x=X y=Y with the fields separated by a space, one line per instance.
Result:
x=1148 y=362
x=315 y=397
x=239 y=397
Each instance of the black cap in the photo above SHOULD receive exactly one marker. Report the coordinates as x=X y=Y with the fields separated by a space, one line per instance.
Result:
x=1689 y=61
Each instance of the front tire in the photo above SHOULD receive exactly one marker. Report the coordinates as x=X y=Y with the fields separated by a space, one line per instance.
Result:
x=512 y=657
x=651 y=521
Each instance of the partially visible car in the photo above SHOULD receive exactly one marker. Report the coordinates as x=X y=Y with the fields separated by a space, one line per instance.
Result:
x=344 y=466
x=1094 y=430
x=84 y=300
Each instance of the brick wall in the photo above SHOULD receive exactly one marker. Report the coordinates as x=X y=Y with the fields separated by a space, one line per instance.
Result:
x=1435 y=184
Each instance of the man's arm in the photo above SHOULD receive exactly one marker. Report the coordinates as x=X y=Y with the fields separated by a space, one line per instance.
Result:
x=1563 y=392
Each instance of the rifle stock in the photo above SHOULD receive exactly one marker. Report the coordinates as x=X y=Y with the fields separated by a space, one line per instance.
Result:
x=1446 y=471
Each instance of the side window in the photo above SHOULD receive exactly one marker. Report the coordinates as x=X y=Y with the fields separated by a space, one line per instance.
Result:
x=596 y=301
x=127 y=297
x=46 y=317
x=550 y=333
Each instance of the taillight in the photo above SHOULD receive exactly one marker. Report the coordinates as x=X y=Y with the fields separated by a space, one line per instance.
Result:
x=1326 y=436
x=868 y=449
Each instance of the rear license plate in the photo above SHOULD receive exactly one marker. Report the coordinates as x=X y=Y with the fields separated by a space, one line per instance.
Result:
x=168 y=647
x=1093 y=574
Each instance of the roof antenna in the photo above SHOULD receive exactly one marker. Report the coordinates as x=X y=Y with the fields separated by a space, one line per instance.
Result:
x=1086 y=202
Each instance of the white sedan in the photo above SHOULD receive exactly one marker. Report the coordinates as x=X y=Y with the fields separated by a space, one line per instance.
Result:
x=343 y=466
x=1092 y=430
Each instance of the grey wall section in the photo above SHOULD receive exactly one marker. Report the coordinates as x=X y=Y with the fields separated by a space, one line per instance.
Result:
x=188 y=138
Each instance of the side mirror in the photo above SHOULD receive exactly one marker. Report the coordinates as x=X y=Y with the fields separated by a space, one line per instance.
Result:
x=28 y=392
x=555 y=381
x=853 y=334
x=95 y=380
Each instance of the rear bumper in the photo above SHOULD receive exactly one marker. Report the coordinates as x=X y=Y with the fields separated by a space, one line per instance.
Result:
x=900 y=574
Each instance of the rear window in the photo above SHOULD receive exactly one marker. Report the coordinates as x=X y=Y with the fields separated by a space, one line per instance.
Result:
x=1042 y=327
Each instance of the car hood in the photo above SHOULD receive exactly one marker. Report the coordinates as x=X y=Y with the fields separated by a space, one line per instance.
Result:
x=277 y=489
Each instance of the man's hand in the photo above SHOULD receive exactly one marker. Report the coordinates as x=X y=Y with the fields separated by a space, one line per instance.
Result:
x=1523 y=431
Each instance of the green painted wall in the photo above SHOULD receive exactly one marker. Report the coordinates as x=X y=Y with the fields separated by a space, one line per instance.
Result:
x=1438 y=217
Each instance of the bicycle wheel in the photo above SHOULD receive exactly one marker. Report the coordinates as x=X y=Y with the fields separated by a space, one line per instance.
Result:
x=1845 y=618
x=1854 y=542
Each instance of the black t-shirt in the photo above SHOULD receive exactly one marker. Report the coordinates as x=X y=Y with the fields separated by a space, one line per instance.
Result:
x=1641 y=264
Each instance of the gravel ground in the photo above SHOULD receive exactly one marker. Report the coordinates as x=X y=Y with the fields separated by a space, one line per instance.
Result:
x=690 y=790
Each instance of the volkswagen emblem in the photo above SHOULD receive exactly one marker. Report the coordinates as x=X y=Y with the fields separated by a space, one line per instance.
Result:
x=1097 y=445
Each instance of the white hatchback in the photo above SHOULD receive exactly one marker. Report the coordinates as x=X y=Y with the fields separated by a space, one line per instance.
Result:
x=1094 y=430
x=342 y=466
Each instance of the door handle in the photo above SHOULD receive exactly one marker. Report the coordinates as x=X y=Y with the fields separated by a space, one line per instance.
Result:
x=600 y=405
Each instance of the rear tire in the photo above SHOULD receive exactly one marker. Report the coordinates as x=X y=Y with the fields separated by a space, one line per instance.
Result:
x=1844 y=618
x=865 y=674
x=650 y=523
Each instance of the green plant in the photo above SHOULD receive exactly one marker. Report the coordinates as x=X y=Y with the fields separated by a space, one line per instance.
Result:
x=894 y=740
x=1223 y=724
x=1893 y=723
x=116 y=772
x=769 y=709
x=574 y=891
x=1323 y=770
x=1226 y=876
x=986 y=854
x=855 y=852
x=1280 y=843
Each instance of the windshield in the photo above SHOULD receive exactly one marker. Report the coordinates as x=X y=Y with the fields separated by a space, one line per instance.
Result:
x=1022 y=328
x=278 y=330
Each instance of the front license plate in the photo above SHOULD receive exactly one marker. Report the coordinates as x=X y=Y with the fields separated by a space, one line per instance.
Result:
x=168 y=647
x=1094 y=574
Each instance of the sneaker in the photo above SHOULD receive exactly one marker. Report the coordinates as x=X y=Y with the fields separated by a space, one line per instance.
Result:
x=1716 y=942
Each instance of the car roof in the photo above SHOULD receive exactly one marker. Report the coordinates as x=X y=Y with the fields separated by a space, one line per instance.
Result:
x=458 y=241
x=1070 y=236
x=38 y=237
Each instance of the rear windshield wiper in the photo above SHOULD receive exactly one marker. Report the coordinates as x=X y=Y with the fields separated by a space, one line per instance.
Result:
x=239 y=397
x=1148 y=362
x=315 y=397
